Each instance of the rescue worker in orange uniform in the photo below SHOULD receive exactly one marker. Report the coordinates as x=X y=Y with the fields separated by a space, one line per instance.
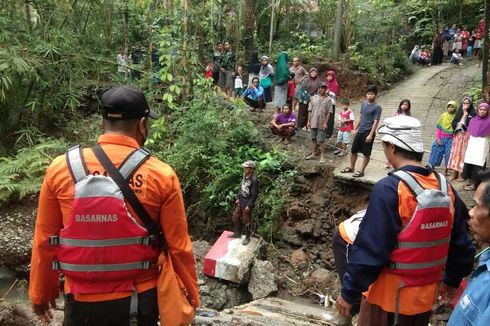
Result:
x=125 y=112
x=412 y=240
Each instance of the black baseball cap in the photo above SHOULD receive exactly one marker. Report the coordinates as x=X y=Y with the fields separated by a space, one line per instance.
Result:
x=126 y=102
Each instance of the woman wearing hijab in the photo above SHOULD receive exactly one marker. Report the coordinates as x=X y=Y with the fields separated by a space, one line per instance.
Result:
x=438 y=53
x=477 y=150
x=253 y=67
x=282 y=78
x=334 y=92
x=461 y=120
x=309 y=87
x=266 y=74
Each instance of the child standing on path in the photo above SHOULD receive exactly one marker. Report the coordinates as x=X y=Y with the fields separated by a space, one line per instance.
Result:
x=346 y=118
x=364 y=132
x=444 y=137
x=403 y=109
x=238 y=89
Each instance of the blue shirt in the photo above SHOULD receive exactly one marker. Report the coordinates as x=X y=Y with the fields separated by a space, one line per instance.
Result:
x=377 y=238
x=473 y=307
x=369 y=113
x=254 y=93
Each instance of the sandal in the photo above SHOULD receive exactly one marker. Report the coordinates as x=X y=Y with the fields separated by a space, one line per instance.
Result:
x=310 y=157
x=460 y=180
x=342 y=154
x=358 y=174
x=346 y=170
x=322 y=161
x=469 y=188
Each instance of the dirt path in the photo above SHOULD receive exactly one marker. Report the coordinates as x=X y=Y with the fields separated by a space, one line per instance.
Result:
x=429 y=89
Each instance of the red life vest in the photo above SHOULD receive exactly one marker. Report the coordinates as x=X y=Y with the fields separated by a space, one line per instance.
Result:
x=102 y=248
x=423 y=243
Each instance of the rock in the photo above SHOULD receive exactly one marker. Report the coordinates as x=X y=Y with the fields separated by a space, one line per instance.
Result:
x=295 y=240
x=201 y=248
x=297 y=213
x=16 y=232
x=262 y=280
x=317 y=228
x=310 y=170
x=300 y=179
x=216 y=294
x=297 y=257
x=21 y=314
x=298 y=189
x=305 y=227
x=321 y=278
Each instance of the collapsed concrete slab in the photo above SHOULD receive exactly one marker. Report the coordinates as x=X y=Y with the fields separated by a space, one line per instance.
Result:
x=269 y=311
x=229 y=260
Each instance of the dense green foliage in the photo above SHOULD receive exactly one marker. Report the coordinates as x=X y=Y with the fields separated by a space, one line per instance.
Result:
x=206 y=144
x=56 y=57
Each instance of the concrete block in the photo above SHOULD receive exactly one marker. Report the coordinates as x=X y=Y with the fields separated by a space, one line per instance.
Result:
x=229 y=260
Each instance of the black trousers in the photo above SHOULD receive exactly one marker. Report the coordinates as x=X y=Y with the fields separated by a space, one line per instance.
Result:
x=330 y=123
x=259 y=104
x=111 y=313
x=340 y=255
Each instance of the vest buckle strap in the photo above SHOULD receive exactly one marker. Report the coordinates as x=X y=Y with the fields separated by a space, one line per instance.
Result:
x=55 y=265
x=133 y=308
x=54 y=240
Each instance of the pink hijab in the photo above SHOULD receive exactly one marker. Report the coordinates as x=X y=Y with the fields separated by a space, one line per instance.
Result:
x=480 y=127
x=333 y=85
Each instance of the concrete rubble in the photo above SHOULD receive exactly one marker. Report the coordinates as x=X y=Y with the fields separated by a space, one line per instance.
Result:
x=269 y=311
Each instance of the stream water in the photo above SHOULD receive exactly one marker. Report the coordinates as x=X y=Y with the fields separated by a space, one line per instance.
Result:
x=12 y=289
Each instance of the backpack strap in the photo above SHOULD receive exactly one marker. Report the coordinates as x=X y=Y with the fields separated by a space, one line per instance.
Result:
x=76 y=163
x=152 y=226
x=442 y=182
x=133 y=162
x=409 y=180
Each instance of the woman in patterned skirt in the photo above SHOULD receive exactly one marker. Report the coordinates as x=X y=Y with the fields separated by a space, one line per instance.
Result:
x=465 y=112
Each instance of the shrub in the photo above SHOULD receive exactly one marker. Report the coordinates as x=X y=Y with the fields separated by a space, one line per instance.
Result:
x=21 y=175
x=206 y=144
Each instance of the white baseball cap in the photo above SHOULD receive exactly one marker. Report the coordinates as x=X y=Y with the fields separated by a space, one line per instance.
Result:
x=403 y=131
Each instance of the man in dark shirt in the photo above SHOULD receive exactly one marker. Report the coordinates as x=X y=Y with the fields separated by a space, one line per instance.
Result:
x=373 y=260
x=365 y=131
x=227 y=63
x=245 y=201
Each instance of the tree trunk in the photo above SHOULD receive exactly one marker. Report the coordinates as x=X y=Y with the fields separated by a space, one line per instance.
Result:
x=271 y=34
x=28 y=15
x=185 y=91
x=249 y=28
x=338 y=29
x=126 y=27
x=486 y=48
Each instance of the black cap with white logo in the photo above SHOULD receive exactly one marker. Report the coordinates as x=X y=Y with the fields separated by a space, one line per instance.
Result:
x=126 y=102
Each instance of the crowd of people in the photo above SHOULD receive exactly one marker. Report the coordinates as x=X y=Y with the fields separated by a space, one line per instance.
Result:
x=125 y=251
x=454 y=43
